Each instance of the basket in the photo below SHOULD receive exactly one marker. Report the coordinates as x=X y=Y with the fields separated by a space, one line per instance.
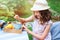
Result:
x=16 y=28
x=12 y=30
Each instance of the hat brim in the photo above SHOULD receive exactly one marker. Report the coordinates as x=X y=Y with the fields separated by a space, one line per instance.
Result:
x=38 y=9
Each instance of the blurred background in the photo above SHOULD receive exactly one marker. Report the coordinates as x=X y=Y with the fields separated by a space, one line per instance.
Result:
x=8 y=8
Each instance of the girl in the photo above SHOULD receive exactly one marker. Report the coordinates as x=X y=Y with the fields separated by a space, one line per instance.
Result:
x=42 y=21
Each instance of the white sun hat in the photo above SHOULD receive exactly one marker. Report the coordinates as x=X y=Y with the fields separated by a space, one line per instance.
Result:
x=40 y=5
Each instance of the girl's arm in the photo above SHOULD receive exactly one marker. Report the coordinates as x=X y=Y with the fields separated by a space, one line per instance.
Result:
x=29 y=18
x=40 y=37
x=24 y=19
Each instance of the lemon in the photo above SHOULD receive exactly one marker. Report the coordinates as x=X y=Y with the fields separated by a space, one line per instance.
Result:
x=9 y=26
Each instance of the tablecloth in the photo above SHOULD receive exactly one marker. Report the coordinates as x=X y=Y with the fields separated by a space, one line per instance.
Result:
x=13 y=36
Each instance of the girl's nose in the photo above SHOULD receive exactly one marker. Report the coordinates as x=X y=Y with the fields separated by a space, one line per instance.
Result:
x=36 y=14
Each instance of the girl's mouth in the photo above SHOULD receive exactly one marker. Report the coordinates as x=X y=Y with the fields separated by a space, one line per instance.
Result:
x=36 y=17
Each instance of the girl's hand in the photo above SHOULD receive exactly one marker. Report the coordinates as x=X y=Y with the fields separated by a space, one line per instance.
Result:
x=24 y=27
x=19 y=19
x=16 y=17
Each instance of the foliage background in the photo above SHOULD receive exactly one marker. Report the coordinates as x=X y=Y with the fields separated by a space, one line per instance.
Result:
x=8 y=8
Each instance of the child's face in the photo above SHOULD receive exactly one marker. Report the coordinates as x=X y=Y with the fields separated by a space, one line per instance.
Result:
x=37 y=14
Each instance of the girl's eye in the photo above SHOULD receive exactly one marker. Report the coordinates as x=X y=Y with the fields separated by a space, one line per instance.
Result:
x=33 y=12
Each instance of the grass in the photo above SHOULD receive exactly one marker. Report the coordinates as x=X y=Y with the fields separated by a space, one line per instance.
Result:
x=55 y=5
x=30 y=36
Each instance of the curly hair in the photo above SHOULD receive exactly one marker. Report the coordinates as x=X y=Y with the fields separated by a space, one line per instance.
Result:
x=45 y=16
